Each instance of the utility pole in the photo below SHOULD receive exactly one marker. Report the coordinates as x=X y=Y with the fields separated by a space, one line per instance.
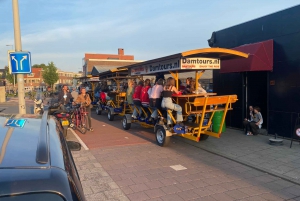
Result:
x=18 y=48
x=14 y=76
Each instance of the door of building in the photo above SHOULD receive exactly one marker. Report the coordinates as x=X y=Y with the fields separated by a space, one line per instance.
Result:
x=256 y=92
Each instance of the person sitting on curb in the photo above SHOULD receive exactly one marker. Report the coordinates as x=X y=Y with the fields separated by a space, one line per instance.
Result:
x=248 y=119
x=256 y=123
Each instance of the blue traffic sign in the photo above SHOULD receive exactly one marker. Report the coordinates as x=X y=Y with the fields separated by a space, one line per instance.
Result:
x=20 y=62
x=16 y=123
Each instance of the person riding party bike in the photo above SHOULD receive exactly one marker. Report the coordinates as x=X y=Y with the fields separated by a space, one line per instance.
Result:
x=167 y=102
x=64 y=97
x=85 y=100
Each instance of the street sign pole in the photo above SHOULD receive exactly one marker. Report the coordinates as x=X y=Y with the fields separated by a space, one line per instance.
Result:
x=18 y=48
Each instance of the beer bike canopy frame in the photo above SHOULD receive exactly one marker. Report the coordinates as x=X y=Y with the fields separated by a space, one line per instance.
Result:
x=192 y=60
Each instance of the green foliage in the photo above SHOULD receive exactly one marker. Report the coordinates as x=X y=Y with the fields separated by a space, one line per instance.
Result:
x=9 y=77
x=50 y=74
x=38 y=66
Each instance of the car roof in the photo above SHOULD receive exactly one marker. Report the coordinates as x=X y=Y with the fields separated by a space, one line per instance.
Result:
x=25 y=142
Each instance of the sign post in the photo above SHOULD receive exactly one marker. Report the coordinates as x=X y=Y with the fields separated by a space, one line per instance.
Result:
x=18 y=48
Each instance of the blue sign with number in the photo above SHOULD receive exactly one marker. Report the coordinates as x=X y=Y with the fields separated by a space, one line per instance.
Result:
x=16 y=123
x=20 y=62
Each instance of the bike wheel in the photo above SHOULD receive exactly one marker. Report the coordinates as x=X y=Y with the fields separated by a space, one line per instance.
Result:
x=83 y=126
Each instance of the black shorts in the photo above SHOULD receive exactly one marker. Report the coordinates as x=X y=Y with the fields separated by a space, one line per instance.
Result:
x=137 y=102
x=155 y=102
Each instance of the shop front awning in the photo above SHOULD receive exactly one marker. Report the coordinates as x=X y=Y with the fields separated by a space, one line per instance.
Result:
x=260 y=58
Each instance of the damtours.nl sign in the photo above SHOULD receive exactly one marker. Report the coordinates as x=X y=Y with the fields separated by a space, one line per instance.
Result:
x=200 y=63
x=176 y=64
x=163 y=66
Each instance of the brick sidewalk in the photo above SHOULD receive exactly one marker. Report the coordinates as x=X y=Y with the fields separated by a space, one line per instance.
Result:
x=142 y=170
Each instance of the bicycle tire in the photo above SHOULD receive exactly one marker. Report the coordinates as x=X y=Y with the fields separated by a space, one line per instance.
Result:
x=84 y=121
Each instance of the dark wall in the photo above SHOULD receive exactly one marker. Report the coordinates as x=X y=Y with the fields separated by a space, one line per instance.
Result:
x=284 y=96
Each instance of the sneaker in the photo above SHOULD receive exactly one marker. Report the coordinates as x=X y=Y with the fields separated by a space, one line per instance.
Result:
x=134 y=117
x=91 y=129
x=249 y=134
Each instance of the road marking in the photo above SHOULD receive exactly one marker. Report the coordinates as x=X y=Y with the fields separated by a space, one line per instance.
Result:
x=78 y=138
x=178 y=167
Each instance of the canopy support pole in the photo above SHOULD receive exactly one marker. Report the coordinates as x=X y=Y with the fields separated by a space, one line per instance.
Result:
x=176 y=77
x=197 y=77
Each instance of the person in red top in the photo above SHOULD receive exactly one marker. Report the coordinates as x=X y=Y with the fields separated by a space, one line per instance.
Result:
x=144 y=94
x=137 y=99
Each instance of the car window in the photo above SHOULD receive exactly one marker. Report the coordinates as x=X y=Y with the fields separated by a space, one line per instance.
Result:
x=33 y=197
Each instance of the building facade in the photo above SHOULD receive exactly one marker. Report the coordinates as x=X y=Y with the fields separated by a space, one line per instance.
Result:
x=104 y=62
x=270 y=79
x=34 y=80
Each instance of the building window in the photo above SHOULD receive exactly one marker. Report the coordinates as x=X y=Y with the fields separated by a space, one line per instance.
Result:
x=30 y=75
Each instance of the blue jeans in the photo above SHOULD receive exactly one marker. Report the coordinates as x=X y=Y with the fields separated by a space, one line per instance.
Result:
x=137 y=105
x=168 y=103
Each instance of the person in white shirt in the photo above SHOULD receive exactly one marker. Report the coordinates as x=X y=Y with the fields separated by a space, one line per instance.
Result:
x=155 y=98
x=74 y=94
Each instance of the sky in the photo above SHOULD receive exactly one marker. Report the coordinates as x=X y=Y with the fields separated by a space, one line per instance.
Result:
x=62 y=31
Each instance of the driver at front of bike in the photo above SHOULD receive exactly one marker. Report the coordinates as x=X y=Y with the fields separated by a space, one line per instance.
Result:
x=64 y=98
x=85 y=100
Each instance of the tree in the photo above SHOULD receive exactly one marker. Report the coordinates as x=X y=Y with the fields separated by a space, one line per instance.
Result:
x=8 y=76
x=38 y=66
x=50 y=74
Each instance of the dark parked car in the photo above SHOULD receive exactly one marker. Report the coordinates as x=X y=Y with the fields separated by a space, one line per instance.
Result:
x=35 y=160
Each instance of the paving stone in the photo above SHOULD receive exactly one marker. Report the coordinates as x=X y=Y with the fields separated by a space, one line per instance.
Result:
x=102 y=180
x=91 y=175
x=139 y=187
x=154 y=184
x=184 y=186
x=222 y=196
x=295 y=190
x=170 y=189
x=284 y=194
x=236 y=194
x=155 y=193
x=100 y=188
x=96 y=197
x=167 y=182
x=171 y=197
x=256 y=198
x=203 y=192
x=198 y=183
x=250 y=191
x=87 y=190
x=127 y=190
x=269 y=196
x=139 y=196
x=113 y=185
x=188 y=195
x=139 y=180
x=216 y=188
x=125 y=182
x=229 y=186
x=114 y=194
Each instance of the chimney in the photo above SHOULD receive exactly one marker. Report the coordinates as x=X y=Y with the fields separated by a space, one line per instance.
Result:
x=121 y=51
